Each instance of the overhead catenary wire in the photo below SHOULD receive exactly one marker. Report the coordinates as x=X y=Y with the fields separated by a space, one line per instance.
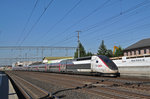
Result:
x=134 y=28
x=28 y=20
x=134 y=40
x=85 y=17
x=33 y=26
x=128 y=25
x=110 y=34
x=87 y=29
x=64 y=40
x=108 y=38
x=124 y=42
x=61 y=19
x=116 y=16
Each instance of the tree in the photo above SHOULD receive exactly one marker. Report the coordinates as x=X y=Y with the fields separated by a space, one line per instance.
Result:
x=119 y=52
x=109 y=53
x=103 y=50
x=82 y=51
x=89 y=54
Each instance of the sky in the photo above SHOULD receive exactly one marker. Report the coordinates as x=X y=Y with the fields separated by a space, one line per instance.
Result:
x=56 y=22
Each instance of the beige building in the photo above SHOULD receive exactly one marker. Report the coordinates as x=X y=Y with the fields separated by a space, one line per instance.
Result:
x=141 y=47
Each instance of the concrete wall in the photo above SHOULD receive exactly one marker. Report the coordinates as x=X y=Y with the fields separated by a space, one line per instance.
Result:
x=134 y=66
x=135 y=71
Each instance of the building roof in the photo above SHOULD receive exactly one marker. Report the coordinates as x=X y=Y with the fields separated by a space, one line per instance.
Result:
x=140 y=44
x=55 y=58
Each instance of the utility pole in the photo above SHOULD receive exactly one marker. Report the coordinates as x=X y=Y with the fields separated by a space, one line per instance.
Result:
x=78 y=44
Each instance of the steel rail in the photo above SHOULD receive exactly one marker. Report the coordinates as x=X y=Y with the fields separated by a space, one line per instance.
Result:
x=47 y=94
x=22 y=90
x=24 y=93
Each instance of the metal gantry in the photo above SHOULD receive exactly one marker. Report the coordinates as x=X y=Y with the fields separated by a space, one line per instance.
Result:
x=10 y=54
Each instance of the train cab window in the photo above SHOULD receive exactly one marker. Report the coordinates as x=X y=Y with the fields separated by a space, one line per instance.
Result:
x=108 y=62
x=96 y=61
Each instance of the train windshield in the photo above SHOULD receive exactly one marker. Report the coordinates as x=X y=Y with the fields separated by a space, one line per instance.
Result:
x=108 y=62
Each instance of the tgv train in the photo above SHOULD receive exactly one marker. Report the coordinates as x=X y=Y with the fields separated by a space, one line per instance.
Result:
x=99 y=65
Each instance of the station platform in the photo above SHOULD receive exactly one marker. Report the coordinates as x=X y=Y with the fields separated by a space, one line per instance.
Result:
x=6 y=89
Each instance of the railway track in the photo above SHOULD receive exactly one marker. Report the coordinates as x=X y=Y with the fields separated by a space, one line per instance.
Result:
x=88 y=86
x=29 y=90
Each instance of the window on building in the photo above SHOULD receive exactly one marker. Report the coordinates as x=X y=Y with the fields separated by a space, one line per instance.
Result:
x=139 y=51
x=131 y=53
x=144 y=51
x=134 y=52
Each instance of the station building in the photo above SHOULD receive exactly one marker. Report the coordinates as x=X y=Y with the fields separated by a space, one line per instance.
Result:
x=141 y=47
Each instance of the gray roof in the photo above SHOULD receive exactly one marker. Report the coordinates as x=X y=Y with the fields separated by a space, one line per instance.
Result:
x=140 y=44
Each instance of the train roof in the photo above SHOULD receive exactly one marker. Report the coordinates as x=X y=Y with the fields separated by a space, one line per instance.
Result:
x=57 y=58
x=78 y=59
x=83 y=58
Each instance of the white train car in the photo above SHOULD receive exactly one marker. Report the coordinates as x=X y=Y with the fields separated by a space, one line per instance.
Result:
x=100 y=65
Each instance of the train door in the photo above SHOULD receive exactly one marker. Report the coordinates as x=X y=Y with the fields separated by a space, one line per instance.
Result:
x=93 y=69
x=45 y=67
x=63 y=66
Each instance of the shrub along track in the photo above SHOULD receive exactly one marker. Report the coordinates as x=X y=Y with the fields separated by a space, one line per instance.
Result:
x=87 y=87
